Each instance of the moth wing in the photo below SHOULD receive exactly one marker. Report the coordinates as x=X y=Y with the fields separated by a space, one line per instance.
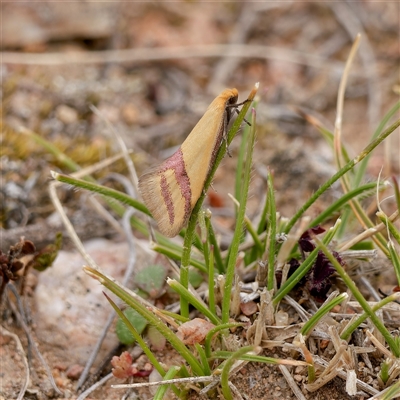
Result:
x=162 y=196
x=200 y=148
x=171 y=190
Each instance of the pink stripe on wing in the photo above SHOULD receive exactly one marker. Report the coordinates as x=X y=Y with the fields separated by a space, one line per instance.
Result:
x=177 y=164
x=166 y=194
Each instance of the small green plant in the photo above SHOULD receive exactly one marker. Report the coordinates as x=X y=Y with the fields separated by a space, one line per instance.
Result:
x=136 y=320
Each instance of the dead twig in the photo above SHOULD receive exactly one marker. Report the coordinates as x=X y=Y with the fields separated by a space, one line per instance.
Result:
x=292 y=384
x=167 y=382
x=353 y=26
x=122 y=145
x=174 y=53
x=92 y=388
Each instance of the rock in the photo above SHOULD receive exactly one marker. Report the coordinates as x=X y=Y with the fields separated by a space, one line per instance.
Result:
x=66 y=114
x=74 y=371
x=71 y=308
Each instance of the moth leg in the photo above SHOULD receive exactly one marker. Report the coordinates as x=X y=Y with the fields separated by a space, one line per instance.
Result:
x=235 y=106
x=224 y=135
x=226 y=121
x=244 y=119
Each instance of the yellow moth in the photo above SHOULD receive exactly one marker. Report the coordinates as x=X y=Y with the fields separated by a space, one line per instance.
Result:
x=171 y=190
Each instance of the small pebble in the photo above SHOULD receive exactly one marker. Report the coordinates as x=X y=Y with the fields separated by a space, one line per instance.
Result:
x=130 y=114
x=298 y=378
x=66 y=114
x=74 y=371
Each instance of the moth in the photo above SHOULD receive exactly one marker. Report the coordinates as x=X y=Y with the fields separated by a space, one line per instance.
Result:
x=171 y=189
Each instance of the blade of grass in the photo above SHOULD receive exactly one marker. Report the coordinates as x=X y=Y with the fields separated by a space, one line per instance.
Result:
x=249 y=226
x=236 y=240
x=162 y=390
x=389 y=226
x=323 y=188
x=73 y=166
x=316 y=318
x=356 y=207
x=174 y=316
x=391 y=232
x=305 y=266
x=103 y=190
x=338 y=204
x=364 y=163
x=176 y=255
x=396 y=192
x=329 y=136
x=137 y=337
x=337 y=142
x=213 y=331
x=390 y=393
x=360 y=298
x=253 y=253
x=240 y=164
x=203 y=358
x=54 y=150
x=272 y=233
x=184 y=293
x=227 y=368
x=134 y=301
x=326 y=133
x=394 y=256
x=222 y=354
x=211 y=295
x=217 y=253
x=350 y=328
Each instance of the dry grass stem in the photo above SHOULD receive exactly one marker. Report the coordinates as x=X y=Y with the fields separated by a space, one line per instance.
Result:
x=174 y=53
x=367 y=233
x=69 y=227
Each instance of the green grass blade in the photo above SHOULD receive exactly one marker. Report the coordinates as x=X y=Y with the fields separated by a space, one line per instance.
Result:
x=213 y=331
x=137 y=337
x=162 y=390
x=316 y=318
x=350 y=165
x=338 y=204
x=272 y=233
x=217 y=252
x=360 y=298
x=176 y=254
x=306 y=265
x=103 y=190
x=364 y=163
x=239 y=225
x=350 y=328
x=227 y=368
x=132 y=300
x=189 y=298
